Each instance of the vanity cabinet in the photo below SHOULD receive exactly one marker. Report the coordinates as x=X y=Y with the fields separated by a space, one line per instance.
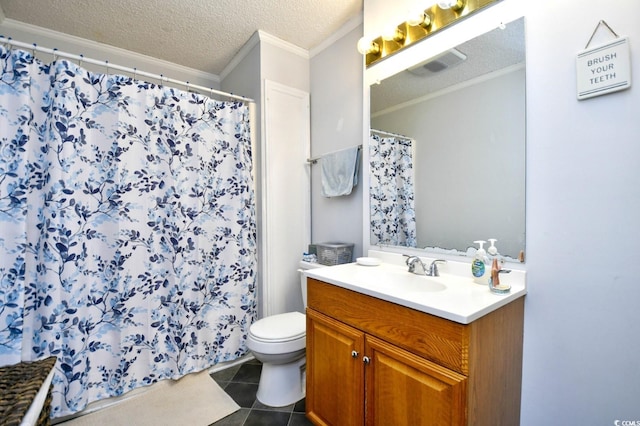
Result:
x=373 y=362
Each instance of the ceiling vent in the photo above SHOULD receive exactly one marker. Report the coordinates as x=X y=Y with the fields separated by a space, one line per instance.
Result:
x=438 y=63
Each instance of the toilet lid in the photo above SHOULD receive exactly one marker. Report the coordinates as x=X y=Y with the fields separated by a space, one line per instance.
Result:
x=280 y=328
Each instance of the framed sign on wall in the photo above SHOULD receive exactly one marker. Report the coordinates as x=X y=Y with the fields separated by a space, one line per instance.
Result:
x=605 y=68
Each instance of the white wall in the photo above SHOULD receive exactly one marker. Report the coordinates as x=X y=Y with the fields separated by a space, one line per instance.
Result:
x=281 y=149
x=582 y=330
x=285 y=188
x=285 y=191
x=336 y=123
x=284 y=63
x=243 y=76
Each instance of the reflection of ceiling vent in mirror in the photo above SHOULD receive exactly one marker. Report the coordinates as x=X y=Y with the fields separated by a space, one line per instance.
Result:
x=438 y=63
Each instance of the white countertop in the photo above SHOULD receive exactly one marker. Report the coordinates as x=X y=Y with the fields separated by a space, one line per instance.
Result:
x=454 y=297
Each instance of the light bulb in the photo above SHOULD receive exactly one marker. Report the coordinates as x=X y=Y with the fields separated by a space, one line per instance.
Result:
x=366 y=46
x=451 y=4
x=419 y=19
x=393 y=33
x=363 y=45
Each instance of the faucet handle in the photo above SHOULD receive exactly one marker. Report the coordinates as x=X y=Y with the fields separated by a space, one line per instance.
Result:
x=433 y=268
x=410 y=261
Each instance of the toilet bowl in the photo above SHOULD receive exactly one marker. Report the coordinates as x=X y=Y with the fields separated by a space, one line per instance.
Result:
x=279 y=342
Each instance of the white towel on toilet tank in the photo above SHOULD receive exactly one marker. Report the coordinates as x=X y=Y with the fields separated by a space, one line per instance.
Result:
x=339 y=172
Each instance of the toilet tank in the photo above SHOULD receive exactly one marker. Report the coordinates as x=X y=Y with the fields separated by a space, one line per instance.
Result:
x=305 y=266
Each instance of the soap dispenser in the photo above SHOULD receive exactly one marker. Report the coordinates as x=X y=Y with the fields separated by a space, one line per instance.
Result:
x=493 y=252
x=480 y=266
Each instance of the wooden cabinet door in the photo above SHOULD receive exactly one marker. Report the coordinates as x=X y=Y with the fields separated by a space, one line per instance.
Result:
x=404 y=389
x=335 y=372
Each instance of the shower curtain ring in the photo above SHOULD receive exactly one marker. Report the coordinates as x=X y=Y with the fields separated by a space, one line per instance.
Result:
x=55 y=54
x=187 y=86
x=33 y=49
x=106 y=64
x=80 y=60
x=135 y=73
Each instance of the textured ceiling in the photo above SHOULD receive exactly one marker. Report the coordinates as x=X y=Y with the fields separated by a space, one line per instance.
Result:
x=200 y=34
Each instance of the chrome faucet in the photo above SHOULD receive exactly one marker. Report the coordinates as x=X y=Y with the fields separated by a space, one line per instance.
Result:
x=430 y=271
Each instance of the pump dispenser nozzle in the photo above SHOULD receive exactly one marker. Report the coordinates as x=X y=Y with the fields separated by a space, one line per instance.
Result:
x=493 y=250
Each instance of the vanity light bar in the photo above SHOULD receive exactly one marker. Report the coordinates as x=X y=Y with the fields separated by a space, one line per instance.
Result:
x=416 y=28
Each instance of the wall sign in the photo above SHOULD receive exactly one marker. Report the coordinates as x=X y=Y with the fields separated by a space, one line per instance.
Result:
x=604 y=69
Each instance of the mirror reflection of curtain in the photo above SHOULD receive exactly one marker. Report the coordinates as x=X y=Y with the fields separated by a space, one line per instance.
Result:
x=392 y=191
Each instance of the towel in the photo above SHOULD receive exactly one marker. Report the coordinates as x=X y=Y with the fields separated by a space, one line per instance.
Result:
x=339 y=172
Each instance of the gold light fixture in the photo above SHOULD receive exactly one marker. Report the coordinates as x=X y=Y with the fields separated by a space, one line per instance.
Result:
x=418 y=26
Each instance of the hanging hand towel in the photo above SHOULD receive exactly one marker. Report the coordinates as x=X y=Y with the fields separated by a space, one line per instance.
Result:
x=339 y=172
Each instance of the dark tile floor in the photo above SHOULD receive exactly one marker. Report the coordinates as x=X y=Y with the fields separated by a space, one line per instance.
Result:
x=241 y=383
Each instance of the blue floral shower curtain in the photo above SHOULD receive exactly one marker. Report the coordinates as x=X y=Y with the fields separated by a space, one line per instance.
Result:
x=392 y=213
x=127 y=228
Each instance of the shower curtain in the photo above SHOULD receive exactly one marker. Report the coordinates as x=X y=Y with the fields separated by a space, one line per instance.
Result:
x=391 y=191
x=127 y=228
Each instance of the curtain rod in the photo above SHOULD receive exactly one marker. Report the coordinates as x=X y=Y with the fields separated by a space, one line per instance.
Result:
x=382 y=132
x=134 y=71
x=314 y=160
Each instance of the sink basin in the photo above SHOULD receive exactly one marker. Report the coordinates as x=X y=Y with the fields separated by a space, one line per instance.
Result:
x=419 y=283
x=405 y=282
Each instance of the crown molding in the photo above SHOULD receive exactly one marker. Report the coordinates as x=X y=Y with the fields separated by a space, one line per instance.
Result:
x=284 y=45
x=255 y=39
x=345 y=29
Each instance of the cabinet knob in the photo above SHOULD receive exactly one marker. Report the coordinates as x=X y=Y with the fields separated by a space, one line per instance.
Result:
x=354 y=354
x=366 y=359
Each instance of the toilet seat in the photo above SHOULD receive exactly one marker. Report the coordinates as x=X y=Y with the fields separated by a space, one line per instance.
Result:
x=282 y=333
x=279 y=328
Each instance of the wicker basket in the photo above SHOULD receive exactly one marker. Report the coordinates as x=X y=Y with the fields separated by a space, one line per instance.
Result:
x=19 y=385
x=334 y=253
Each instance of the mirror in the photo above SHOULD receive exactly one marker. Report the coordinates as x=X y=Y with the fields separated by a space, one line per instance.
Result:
x=460 y=117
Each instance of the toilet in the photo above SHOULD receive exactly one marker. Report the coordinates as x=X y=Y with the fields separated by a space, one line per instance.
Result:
x=279 y=342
